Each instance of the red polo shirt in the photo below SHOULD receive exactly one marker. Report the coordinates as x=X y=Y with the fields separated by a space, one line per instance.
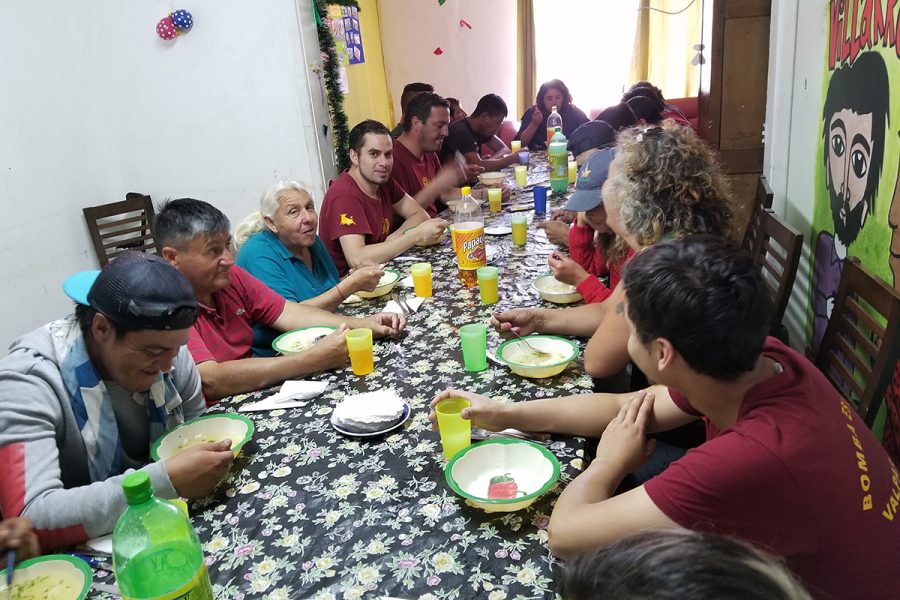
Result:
x=346 y=209
x=224 y=331
x=413 y=174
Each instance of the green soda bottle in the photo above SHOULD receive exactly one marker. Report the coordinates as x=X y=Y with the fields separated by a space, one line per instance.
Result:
x=156 y=552
x=558 y=156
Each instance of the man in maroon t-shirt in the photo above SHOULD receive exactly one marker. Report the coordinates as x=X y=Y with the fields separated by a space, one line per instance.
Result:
x=417 y=168
x=195 y=239
x=358 y=210
x=788 y=465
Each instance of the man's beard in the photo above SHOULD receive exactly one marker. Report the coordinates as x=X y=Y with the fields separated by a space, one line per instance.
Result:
x=846 y=231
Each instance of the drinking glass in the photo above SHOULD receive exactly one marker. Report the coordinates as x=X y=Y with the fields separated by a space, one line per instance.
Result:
x=488 y=284
x=359 y=346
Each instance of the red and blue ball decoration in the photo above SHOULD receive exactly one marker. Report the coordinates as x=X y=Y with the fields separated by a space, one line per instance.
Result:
x=175 y=24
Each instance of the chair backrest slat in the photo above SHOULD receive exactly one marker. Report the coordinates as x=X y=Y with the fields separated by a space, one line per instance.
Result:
x=761 y=202
x=858 y=352
x=124 y=225
x=778 y=252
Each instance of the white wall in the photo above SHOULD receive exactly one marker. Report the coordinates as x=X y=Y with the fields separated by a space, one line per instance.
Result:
x=93 y=105
x=793 y=122
x=475 y=61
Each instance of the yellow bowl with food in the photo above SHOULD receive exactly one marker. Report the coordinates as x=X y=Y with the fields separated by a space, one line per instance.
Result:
x=385 y=285
x=57 y=576
x=522 y=360
x=208 y=429
x=298 y=340
x=502 y=475
x=553 y=290
x=491 y=179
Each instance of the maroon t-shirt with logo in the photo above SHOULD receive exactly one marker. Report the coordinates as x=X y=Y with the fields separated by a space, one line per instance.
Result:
x=799 y=475
x=346 y=209
x=413 y=174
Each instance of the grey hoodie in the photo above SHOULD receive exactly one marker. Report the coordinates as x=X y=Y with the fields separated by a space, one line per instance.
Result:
x=43 y=464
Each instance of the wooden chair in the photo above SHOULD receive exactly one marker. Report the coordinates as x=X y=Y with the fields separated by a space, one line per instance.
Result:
x=119 y=226
x=860 y=347
x=778 y=249
x=762 y=202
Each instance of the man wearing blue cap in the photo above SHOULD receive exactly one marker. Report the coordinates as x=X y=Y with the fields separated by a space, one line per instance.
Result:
x=83 y=398
x=590 y=242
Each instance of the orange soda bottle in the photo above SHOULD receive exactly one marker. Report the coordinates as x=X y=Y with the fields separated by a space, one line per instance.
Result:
x=468 y=227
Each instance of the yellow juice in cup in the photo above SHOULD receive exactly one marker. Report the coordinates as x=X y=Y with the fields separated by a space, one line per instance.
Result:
x=519 y=232
x=515 y=145
x=456 y=432
x=573 y=171
x=495 y=198
x=521 y=175
x=421 y=276
x=488 y=288
x=361 y=361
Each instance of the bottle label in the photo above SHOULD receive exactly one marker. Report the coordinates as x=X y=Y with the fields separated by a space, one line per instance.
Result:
x=559 y=166
x=469 y=244
x=197 y=588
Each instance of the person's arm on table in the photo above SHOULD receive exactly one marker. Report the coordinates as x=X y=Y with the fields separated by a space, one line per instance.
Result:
x=443 y=184
x=587 y=515
x=581 y=321
x=492 y=164
x=606 y=352
x=364 y=278
x=31 y=483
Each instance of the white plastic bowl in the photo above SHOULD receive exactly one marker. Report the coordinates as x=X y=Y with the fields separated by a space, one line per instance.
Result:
x=533 y=468
x=491 y=178
x=298 y=340
x=385 y=285
x=64 y=577
x=206 y=429
x=517 y=355
x=544 y=287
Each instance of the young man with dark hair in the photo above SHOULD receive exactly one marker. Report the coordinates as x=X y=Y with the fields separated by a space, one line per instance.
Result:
x=787 y=466
x=410 y=91
x=359 y=209
x=468 y=135
x=196 y=240
x=83 y=398
x=417 y=168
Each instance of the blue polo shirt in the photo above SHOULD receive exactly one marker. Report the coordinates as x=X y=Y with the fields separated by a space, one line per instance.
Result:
x=265 y=257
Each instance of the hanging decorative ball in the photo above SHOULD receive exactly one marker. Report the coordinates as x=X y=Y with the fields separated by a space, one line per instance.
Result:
x=166 y=29
x=182 y=19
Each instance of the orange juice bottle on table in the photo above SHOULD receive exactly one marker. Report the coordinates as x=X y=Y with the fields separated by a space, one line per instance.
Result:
x=468 y=232
x=553 y=121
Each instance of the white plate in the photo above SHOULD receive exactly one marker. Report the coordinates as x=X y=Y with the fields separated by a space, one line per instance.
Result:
x=355 y=433
x=498 y=230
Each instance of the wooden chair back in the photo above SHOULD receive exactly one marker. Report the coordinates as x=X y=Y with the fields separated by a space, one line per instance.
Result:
x=860 y=347
x=762 y=201
x=778 y=250
x=119 y=226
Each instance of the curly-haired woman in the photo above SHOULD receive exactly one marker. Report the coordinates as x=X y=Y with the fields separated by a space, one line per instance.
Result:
x=663 y=183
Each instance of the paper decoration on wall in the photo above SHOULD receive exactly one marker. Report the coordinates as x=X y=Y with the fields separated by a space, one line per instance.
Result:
x=438 y=51
x=353 y=47
x=175 y=24
x=441 y=2
x=464 y=23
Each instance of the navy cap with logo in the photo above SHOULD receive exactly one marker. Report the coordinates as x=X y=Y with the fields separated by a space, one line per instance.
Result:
x=591 y=177
x=140 y=290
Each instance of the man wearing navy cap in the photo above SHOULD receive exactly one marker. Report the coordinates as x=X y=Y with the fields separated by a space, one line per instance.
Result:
x=590 y=241
x=83 y=398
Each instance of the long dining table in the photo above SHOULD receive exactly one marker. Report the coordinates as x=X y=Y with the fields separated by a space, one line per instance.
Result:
x=307 y=512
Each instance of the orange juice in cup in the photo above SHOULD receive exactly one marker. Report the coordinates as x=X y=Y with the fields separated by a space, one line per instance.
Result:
x=359 y=346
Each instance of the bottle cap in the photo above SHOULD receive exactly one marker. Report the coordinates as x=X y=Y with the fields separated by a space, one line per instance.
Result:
x=554 y=109
x=137 y=488
x=557 y=129
x=466 y=191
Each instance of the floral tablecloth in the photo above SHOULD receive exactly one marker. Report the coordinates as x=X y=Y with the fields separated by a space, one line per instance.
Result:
x=307 y=512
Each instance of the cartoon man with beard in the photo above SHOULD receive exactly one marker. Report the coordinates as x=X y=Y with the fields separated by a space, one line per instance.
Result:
x=854 y=119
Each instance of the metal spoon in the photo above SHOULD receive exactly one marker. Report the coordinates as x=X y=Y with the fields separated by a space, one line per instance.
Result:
x=538 y=353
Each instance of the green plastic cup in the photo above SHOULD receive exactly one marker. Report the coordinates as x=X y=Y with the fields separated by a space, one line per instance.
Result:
x=456 y=432
x=474 y=346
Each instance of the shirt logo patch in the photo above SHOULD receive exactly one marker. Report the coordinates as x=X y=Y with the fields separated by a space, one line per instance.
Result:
x=239 y=312
x=425 y=180
x=345 y=220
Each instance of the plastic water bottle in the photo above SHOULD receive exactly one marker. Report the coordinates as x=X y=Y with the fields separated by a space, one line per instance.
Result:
x=468 y=238
x=156 y=552
x=553 y=121
x=558 y=155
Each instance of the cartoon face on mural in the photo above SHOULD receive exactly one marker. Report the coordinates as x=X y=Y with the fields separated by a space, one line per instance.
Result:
x=854 y=118
x=853 y=123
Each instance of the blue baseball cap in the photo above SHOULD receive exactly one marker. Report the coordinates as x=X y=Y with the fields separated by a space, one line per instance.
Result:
x=591 y=177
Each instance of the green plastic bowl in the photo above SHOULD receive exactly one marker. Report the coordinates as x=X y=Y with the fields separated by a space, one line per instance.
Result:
x=208 y=428
x=74 y=572
x=515 y=354
x=298 y=340
x=385 y=284
x=533 y=468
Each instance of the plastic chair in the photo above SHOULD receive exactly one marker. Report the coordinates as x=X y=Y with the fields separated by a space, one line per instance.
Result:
x=860 y=347
x=119 y=226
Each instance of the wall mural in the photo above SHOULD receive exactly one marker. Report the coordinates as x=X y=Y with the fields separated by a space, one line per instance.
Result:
x=857 y=204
